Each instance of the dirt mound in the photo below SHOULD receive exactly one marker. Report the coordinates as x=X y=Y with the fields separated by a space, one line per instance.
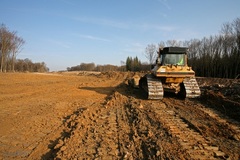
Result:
x=227 y=87
x=222 y=95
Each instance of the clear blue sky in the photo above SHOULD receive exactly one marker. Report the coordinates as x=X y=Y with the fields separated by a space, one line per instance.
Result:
x=65 y=33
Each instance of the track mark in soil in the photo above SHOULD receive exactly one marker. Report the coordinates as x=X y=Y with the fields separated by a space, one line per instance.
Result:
x=119 y=128
x=232 y=124
x=90 y=134
x=217 y=132
x=188 y=135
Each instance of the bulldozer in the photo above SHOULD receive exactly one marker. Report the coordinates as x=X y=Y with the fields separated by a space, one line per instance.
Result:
x=171 y=73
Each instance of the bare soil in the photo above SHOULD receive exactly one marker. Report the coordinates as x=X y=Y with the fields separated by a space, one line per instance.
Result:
x=92 y=115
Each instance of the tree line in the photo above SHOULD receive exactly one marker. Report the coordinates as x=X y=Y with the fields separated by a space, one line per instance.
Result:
x=131 y=64
x=10 y=45
x=219 y=55
x=93 y=67
x=26 y=65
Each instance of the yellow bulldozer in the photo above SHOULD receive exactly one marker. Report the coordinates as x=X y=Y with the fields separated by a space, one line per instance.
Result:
x=171 y=73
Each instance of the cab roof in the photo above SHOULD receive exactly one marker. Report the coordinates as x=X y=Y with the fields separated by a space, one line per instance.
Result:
x=169 y=50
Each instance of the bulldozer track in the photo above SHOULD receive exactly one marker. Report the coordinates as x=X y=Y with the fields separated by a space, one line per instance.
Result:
x=209 y=129
x=191 y=88
x=155 y=88
x=115 y=131
x=143 y=129
x=197 y=146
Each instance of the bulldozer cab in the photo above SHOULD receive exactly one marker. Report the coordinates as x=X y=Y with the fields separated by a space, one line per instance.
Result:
x=173 y=56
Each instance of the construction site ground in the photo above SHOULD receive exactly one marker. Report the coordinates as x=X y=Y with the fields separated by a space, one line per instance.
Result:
x=93 y=115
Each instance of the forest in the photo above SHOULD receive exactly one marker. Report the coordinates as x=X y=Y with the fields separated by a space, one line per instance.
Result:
x=217 y=56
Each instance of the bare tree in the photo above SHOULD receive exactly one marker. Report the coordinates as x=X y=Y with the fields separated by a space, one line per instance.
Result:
x=10 y=45
x=174 y=43
x=5 y=41
x=236 y=57
x=122 y=68
x=151 y=53
x=161 y=44
x=17 y=43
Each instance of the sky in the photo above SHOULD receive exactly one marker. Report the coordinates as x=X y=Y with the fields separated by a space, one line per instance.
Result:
x=66 y=33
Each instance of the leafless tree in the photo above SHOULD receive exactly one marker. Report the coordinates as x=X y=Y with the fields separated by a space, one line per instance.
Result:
x=151 y=53
x=161 y=44
x=17 y=43
x=10 y=45
x=5 y=41
x=174 y=43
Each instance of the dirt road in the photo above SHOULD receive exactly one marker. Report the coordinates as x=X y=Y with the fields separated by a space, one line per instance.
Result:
x=97 y=116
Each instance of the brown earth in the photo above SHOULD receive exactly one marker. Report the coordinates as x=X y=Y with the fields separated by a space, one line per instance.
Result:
x=91 y=115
